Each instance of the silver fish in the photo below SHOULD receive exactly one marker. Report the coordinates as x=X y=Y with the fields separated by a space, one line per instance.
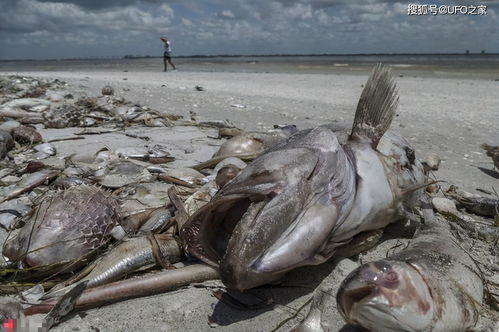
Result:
x=432 y=285
x=301 y=199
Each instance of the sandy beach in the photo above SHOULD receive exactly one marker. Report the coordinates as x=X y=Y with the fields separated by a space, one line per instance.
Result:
x=450 y=115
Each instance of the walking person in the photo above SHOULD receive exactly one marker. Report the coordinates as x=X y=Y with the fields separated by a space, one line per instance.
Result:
x=167 y=54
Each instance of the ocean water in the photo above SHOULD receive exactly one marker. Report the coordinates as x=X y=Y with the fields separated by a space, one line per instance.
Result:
x=479 y=64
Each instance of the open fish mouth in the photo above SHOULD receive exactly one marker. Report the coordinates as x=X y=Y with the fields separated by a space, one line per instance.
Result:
x=276 y=215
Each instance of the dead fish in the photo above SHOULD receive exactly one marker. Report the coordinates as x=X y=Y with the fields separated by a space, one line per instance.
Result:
x=128 y=257
x=483 y=206
x=254 y=142
x=10 y=309
x=493 y=152
x=26 y=135
x=432 y=285
x=64 y=227
x=122 y=173
x=225 y=174
x=301 y=199
x=29 y=182
x=6 y=143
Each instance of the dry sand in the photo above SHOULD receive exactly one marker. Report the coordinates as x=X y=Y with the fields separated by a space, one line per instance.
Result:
x=448 y=116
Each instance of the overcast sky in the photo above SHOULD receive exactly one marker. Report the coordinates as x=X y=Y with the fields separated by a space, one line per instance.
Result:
x=37 y=29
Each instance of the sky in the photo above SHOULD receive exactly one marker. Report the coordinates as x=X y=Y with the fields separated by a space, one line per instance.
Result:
x=48 y=29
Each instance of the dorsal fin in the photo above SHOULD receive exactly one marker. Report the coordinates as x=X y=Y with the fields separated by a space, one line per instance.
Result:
x=377 y=105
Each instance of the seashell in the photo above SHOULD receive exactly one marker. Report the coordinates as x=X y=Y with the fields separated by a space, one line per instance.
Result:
x=107 y=90
x=26 y=135
x=47 y=148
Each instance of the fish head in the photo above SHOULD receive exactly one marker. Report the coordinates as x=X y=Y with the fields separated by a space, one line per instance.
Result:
x=386 y=296
x=276 y=214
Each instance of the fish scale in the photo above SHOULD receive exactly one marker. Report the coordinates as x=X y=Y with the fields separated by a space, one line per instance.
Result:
x=82 y=215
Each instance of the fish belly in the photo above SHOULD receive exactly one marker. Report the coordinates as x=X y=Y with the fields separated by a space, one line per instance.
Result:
x=373 y=207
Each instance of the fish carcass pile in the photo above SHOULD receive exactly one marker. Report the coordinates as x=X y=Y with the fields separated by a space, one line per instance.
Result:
x=102 y=199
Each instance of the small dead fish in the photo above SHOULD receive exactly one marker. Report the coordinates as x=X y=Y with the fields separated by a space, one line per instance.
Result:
x=432 y=285
x=6 y=143
x=128 y=257
x=253 y=142
x=64 y=227
x=26 y=135
x=483 y=206
x=10 y=309
x=304 y=197
x=29 y=182
x=493 y=152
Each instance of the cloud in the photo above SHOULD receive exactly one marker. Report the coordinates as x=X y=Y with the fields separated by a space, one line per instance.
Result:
x=42 y=28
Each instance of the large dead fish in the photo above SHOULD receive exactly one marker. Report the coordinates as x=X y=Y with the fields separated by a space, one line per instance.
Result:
x=432 y=285
x=301 y=199
x=64 y=227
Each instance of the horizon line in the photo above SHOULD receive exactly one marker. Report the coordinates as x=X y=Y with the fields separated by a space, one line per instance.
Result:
x=131 y=56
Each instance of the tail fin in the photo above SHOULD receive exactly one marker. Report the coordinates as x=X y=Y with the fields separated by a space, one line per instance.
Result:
x=377 y=105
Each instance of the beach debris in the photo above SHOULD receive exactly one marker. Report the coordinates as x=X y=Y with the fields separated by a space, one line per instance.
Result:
x=64 y=116
x=150 y=284
x=225 y=174
x=107 y=90
x=433 y=284
x=10 y=309
x=323 y=314
x=483 y=206
x=6 y=143
x=301 y=199
x=27 y=183
x=64 y=306
x=65 y=226
x=431 y=162
x=444 y=205
x=228 y=132
x=9 y=125
x=493 y=152
x=121 y=173
x=199 y=88
x=26 y=135
x=11 y=210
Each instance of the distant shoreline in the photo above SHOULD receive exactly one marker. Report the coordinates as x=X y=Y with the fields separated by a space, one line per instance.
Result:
x=131 y=57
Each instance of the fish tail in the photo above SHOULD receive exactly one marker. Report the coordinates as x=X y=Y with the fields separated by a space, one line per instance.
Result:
x=377 y=105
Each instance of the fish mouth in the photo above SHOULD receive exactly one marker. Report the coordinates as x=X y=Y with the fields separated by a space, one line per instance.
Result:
x=216 y=234
x=359 y=294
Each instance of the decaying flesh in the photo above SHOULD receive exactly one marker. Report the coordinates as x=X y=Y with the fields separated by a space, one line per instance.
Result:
x=304 y=197
x=432 y=285
x=64 y=227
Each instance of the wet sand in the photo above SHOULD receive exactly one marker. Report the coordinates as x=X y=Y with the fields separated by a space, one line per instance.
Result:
x=448 y=116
